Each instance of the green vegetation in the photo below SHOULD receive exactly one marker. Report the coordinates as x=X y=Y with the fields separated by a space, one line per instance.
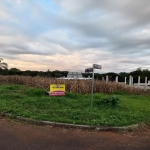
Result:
x=57 y=74
x=74 y=108
x=109 y=101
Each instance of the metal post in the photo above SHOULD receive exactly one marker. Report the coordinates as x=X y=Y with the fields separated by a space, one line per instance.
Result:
x=125 y=80
x=107 y=78
x=92 y=88
x=130 y=80
x=145 y=83
x=116 y=79
x=138 y=81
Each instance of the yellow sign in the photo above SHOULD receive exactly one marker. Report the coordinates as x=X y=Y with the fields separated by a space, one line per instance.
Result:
x=57 y=90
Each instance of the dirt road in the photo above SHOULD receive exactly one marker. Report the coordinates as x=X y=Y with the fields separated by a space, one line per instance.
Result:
x=19 y=136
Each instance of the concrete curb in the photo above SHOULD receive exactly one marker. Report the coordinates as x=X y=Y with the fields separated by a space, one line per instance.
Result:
x=74 y=126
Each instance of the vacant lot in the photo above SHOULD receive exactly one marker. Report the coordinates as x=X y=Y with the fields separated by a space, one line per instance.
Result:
x=73 y=108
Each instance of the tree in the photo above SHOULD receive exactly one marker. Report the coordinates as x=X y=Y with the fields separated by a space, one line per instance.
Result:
x=14 y=71
x=2 y=64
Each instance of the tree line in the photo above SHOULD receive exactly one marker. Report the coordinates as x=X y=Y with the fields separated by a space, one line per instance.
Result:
x=48 y=73
x=57 y=74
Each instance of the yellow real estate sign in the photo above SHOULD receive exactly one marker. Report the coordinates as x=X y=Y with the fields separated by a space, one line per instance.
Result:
x=57 y=90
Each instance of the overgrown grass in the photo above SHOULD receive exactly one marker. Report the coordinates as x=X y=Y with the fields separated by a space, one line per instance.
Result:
x=73 y=108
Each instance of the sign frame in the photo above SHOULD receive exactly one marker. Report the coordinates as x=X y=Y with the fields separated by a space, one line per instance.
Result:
x=57 y=89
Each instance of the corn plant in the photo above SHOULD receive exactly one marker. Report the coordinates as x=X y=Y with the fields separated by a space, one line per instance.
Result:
x=75 y=86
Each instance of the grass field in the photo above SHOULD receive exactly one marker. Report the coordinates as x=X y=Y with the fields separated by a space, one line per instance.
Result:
x=73 y=108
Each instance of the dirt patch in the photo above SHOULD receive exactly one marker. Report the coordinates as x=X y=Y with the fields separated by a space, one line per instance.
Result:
x=16 y=135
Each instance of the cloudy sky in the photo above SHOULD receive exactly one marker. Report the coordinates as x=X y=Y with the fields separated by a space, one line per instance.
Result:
x=72 y=35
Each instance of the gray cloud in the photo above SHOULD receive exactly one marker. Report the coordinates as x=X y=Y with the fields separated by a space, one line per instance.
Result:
x=112 y=33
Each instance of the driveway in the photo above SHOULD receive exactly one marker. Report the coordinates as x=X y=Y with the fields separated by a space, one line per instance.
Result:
x=20 y=136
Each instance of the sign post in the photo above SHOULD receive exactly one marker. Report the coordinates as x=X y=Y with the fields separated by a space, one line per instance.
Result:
x=92 y=88
x=95 y=66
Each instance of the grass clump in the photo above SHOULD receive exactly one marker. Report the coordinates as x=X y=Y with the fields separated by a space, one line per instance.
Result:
x=109 y=101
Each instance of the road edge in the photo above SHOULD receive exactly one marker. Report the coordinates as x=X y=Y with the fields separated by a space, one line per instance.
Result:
x=75 y=126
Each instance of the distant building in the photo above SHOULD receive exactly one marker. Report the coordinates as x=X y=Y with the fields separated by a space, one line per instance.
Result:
x=74 y=75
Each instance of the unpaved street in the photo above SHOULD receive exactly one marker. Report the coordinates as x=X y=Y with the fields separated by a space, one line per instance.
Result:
x=19 y=136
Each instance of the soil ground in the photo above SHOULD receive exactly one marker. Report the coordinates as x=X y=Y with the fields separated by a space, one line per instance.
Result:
x=22 y=136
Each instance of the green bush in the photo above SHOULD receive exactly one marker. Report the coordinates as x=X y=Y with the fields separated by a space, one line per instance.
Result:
x=109 y=101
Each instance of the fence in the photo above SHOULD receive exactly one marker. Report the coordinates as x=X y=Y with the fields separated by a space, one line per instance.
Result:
x=145 y=85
